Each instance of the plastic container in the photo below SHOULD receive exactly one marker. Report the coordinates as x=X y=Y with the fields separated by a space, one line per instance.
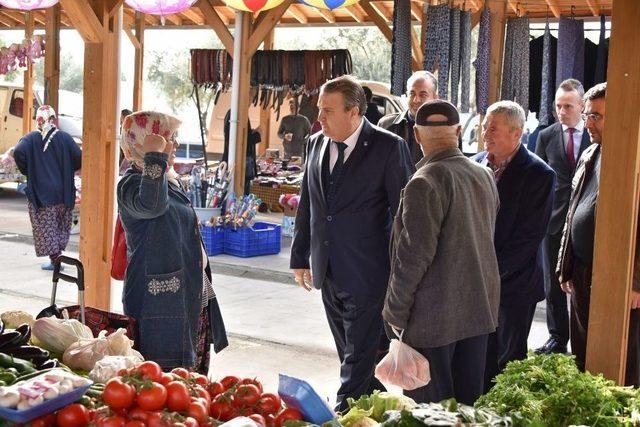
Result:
x=49 y=406
x=213 y=238
x=205 y=214
x=263 y=238
x=299 y=394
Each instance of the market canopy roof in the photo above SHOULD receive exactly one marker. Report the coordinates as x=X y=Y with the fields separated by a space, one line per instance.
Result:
x=299 y=14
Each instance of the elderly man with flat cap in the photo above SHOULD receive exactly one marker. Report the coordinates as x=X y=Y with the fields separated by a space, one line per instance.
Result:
x=444 y=287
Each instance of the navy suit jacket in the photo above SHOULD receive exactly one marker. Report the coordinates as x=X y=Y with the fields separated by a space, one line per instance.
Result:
x=526 y=190
x=352 y=235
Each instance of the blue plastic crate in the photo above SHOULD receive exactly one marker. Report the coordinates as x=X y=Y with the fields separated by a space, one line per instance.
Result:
x=300 y=395
x=213 y=238
x=49 y=406
x=263 y=238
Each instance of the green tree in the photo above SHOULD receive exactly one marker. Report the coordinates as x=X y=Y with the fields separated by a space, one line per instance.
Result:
x=170 y=73
x=71 y=73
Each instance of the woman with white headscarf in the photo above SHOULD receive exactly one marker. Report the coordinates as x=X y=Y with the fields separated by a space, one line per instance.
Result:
x=167 y=285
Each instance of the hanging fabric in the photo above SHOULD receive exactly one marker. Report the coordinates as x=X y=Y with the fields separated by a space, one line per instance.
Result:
x=465 y=59
x=548 y=87
x=603 y=53
x=482 y=62
x=436 y=47
x=515 y=75
x=454 y=54
x=570 y=50
x=401 y=59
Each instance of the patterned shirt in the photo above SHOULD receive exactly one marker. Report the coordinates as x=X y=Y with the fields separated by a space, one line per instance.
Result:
x=498 y=169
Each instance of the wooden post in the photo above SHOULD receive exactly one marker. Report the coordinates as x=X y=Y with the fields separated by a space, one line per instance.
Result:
x=265 y=113
x=100 y=30
x=244 y=56
x=618 y=199
x=52 y=57
x=498 y=10
x=27 y=106
x=138 y=62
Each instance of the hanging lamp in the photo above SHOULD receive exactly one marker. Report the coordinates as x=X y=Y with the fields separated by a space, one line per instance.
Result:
x=27 y=4
x=328 y=4
x=160 y=7
x=252 y=5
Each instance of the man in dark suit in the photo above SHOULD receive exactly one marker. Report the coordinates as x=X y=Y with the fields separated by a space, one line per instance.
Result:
x=560 y=145
x=350 y=191
x=525 y=186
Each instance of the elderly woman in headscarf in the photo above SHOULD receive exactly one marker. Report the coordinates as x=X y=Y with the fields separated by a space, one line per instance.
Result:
x=49 y=158
x=167 y=286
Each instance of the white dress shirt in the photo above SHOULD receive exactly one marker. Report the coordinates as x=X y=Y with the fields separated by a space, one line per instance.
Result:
x=577 y=138
x=351 y=142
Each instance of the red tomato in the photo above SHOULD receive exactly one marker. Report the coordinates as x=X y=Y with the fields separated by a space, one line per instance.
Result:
x=202 y=392
x=166 y=378
x=181 y=372
x=221 y=408
x=112 y=421
x=154 y=419
x=177 y=396
x=253 y=381
x=152 y=398
x=270 y=419
x=137 y=413
x=269 y=403
x=191 y=422
x=198 y=411
x=118 y=394
x=74 y=415
x=246 y=395
x=150 y=370
x=199 y=379
x=135 y=423
x=215 y=388
x=288 y=414
x=258 y=419
x=44 y=421
x=229 y=381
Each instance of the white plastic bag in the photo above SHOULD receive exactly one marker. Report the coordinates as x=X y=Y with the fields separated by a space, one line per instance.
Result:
x=109 y=366
x=57 y=335
x=403 y=366
x=84 y=354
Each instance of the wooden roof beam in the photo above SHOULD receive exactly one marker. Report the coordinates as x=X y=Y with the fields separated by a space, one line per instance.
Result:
x=555 y=9
x=6 y=22
x=16 y=17
x=213 y=19
x=267 y=24
x=416 y=11
x=84 y=19
x=355 y=13
x=64 y=19
x=517 y=7
x=151 y=19
x=380 y=10
x=327 y=15
x=134 y=41
x=594 y=7
x=298 y=14
x=477 y=4
x=39 y=17
x=192 y=15
x=174 y=19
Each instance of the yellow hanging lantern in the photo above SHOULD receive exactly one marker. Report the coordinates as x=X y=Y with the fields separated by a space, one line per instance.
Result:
x=328 y=4
x=252 y=5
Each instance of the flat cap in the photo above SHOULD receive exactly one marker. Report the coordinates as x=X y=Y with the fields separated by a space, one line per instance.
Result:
x=437 y=107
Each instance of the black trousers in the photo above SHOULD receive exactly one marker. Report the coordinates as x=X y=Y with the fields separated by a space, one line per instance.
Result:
x=457 y=370
x=557 y=309
x=509 y=341
x=360 y=340
x=580 y=300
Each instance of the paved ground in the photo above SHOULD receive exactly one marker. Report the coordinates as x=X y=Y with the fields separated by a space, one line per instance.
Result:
x=275 y=327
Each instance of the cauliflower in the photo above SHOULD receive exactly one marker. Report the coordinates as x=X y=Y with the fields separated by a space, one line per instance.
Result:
x=13 y=319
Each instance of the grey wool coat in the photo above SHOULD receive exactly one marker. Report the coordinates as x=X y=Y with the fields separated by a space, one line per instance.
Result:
x=444 y=284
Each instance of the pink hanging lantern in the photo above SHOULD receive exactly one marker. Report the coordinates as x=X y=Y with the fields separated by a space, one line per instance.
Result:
x=160 y=7
x=28 y=4
x=252 y=5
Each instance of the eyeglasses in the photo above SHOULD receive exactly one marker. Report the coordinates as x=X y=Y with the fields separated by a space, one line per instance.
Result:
x=592 y=116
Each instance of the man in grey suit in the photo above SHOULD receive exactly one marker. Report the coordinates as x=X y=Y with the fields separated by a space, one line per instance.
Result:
x=444 y=287
x=560 y=146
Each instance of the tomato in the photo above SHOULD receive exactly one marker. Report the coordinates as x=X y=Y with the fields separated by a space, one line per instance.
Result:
x=117 y=394
x=199 y=379
x=137 y=413
x=44 y=421
x=229 y=381
x=269 y=403
x=215 y=388
x=177 y=396
x=154 y=419
x=74 y=415
x=202 y=392
x=246 y=395
x=150 y=370
x=270 y=419
x=152 y=398
x=135 y=423
x=288 y=414
x=221 y=408
x=258 y=419
x=253 y=381
x=198 y=411
x=191 y=422
x=181 y=372
x=166 y=378
x=112 y=421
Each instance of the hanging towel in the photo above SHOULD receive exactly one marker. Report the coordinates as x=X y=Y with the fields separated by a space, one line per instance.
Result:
x=401 y=59
x=570 y=50
x=515 y=75
x=482 y=62
x=454 y=54
x=603 y=53
x=465 y=59
x=436 y=47
x=548 y=87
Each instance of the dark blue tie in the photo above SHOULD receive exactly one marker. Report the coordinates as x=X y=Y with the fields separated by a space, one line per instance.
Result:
x=334 y=177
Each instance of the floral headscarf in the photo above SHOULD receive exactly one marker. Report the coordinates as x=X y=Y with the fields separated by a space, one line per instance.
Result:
x=137 y=126
x=45 y=118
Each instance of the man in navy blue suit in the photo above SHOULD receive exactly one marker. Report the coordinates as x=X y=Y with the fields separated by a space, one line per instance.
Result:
x=525 y=186
x=350 y=192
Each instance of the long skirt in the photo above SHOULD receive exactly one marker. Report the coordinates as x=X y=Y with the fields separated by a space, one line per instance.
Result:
x=51 y=227
x=205 y=340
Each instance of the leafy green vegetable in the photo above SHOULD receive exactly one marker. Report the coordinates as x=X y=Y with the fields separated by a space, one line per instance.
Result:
x=549 y=390
x=374 y=406
x=446 y=413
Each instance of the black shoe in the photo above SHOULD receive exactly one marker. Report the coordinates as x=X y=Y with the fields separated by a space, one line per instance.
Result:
x=553 y=345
